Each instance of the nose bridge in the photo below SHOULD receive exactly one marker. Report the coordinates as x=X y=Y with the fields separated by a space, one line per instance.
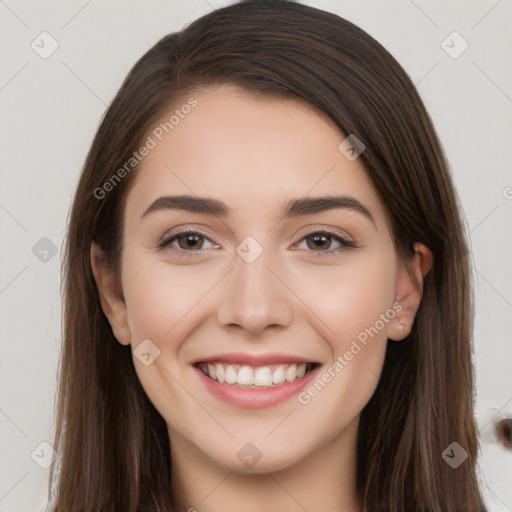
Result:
x=254 y=297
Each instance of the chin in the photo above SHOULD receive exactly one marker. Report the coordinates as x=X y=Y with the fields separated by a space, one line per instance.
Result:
x=255 y=457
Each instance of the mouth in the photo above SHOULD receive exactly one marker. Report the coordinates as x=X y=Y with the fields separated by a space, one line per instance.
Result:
x=249 y=376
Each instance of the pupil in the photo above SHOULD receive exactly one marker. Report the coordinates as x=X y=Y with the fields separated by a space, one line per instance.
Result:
x=191 y=240
x=318 y=239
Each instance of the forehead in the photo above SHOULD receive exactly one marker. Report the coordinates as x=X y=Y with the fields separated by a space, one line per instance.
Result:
x=253 y=152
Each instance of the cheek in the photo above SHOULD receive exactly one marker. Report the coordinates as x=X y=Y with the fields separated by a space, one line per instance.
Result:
x=355 y=310
x=161 y=303
x=354 y=303
x=350 y=300
x=159 y=298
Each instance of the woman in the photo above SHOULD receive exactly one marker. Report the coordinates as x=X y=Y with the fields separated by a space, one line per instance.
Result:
x=267 y=299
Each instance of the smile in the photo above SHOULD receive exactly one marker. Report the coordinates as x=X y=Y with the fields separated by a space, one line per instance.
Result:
x=255 y=376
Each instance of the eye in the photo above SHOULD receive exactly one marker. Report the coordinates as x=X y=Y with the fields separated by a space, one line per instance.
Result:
x=188 y=241
x=191 y=242
x=321 y=241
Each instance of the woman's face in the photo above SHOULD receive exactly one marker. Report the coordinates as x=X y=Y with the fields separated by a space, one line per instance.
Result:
x=270 y=281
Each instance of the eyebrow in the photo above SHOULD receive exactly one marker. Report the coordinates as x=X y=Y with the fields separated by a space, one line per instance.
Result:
x=291 y=208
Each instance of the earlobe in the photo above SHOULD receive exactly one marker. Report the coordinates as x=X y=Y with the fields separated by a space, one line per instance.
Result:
x=409 y=291
x=110 y=294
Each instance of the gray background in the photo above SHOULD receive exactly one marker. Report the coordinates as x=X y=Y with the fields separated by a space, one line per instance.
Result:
x=50 y=109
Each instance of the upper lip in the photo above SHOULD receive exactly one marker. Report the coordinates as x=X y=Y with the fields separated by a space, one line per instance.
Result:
x=254 y=359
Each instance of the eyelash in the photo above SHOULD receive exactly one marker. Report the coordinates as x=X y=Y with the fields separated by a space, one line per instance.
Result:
x=168 y=239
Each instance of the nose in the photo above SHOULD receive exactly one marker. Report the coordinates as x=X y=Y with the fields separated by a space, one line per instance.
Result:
x=255 y=297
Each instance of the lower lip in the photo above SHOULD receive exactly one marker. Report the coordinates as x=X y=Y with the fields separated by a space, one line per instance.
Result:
x=256 y=398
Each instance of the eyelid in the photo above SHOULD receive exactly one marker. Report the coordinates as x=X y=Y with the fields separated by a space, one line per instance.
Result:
x=172 y=235
x=319 y=228
x=345 y=242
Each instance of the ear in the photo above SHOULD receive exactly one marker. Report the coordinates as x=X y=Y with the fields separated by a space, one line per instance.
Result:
x=112 y=302
x=409 y=291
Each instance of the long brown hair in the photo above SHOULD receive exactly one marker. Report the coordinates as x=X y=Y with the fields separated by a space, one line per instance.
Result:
x=113 y=445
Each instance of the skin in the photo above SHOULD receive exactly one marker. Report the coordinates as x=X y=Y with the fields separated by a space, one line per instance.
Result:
x=253 y=153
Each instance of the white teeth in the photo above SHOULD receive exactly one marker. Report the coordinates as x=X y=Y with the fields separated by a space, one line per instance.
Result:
x=219 y=370
x=291 y=373
x=263 y=376
x=230 y=374
x=211 y=370
x=279 y=376
x=245 y=376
